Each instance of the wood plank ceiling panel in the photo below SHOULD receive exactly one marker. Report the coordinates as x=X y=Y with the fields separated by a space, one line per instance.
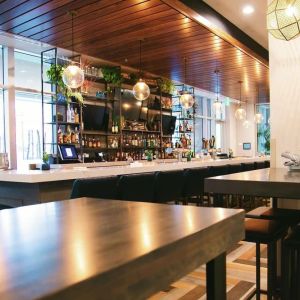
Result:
x=111 y=30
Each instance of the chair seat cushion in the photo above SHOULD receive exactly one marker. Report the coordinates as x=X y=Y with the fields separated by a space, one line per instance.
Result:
x=289 y=216
x=264 y=231
x=293 y=239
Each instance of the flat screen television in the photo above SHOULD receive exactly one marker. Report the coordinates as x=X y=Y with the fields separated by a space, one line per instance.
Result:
x=246 y=146
x=168 y=124
x=95 y=117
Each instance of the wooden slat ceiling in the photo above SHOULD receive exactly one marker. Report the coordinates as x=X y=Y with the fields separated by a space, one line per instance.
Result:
x=111 y=30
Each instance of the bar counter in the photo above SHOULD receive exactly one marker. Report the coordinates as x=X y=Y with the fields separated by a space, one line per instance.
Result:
x=25 y=187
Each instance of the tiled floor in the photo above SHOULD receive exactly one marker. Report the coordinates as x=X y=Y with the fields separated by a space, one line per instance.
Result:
x=240 y=277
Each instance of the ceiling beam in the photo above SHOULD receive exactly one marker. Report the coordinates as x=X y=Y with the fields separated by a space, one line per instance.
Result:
x=203 y=14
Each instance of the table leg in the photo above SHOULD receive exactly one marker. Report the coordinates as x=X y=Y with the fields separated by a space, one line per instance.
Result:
x=216 y=278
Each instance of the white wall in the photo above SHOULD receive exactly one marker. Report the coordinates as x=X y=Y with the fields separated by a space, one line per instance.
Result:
x=237 y=134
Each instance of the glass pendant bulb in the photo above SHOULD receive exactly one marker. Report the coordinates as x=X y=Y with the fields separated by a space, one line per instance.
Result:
x=258 y=118
x=141 y=90
x=240 y=114
x=246 y=124
x=73 y=77
x=217 y=105
x=186 y=100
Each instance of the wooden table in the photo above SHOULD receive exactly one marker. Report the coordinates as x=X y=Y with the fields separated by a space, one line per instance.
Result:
x=274 y=182
x=108 y=249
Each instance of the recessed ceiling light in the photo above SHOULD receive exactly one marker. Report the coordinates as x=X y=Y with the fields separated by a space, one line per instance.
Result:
x=248 y=10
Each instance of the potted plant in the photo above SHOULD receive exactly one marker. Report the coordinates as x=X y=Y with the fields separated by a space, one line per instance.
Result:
x=113 y=78
x=46 y=164
x=149 y=155
x=64 y=93
x=166 y=85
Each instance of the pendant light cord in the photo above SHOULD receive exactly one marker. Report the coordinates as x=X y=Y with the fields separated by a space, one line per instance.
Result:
x=240 y=82
x=140 y=58
x=72 y=34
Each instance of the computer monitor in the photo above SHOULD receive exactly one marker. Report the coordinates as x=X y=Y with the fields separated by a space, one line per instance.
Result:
x=68 y=152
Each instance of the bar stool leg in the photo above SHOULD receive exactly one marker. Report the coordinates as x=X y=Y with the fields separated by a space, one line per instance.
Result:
x=257 y=271
x=272 y=269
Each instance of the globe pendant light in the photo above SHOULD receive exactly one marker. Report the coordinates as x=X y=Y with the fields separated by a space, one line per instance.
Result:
x=73 y=76
x=258 y=118
x=217 y=105
x=246 y=123
x=186 y=99
x=283 y=19
x=141 y=90
x=240 y=113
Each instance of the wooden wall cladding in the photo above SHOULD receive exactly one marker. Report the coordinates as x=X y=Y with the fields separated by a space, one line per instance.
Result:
x=111 y=29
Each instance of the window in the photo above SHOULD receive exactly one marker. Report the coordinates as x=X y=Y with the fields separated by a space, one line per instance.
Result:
x=208 y=106
x=29 y=129
x=27 y=71
x=2 y=112
x=263 y=129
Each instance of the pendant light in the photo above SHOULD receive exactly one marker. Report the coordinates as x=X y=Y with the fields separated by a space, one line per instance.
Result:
x=246 y=123
x=283 y=19
x=186 y=99
x=141 y=90
x=258 y=118
x=217 y=105
x=73 y=76
x=240 y=113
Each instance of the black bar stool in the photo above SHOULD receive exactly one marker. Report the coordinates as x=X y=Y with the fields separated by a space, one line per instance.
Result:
x=169 y=186
x=234 y=168
x=267 y=164
x=248 y=166
x=193 y=189
x=267 y=232
x=219 y=200
x=100 y=187
x=137 y=187
x=259 y=165
x=2 y=206
x=291 y=266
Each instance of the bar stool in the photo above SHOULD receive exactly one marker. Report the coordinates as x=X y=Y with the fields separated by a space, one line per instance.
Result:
x=248 y=166
x=234 y=168
x=267 y=232
x=100 y=187
x=2 y=206
x=267 y=164
x=218 y=199
x=235 y=200
x=193 y=189
x=291 y=266
x=259 y=165
x=137 y=187
x=168 y=186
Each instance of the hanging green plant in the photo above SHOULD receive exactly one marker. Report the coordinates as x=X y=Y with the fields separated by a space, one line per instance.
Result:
x=112 y=75
x=54 y=74
x=166 y=85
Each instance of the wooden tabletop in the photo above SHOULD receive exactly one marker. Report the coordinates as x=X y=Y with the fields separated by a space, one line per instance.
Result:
x=274 y=182
x=107 y=249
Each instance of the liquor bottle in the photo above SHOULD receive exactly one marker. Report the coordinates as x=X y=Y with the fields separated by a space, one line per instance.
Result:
x=180 y=128
x=72 y=115
x=98 y=143
x=83 y=141
x=59 y=135
x=113 y=127
x=76 y=135
x=116 y=127
x=94 y=143
x=68 y=114
x=73 y=137
x=90 y=143
x=76 y=115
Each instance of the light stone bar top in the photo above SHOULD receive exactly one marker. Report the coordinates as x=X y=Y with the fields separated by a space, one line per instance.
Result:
x=107 y=169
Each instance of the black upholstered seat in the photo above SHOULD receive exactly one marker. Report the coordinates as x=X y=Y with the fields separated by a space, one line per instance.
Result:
x=4 y=206
x=259 y=165
x=169 y=186
x=291 y=265
x=193 y=189
x=267 y=232
x=100 y=187
x=267 y=164
x=248 y=166
x=218 y=170
x=137 y=187
x=234 y=168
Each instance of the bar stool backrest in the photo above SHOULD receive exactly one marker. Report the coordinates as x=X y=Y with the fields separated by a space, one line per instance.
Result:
x=194 y=181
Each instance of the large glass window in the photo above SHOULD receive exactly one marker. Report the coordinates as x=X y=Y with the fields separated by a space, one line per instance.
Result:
x=2 y=113
x=27 y=71
x=263 y=129
x=29 y=130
